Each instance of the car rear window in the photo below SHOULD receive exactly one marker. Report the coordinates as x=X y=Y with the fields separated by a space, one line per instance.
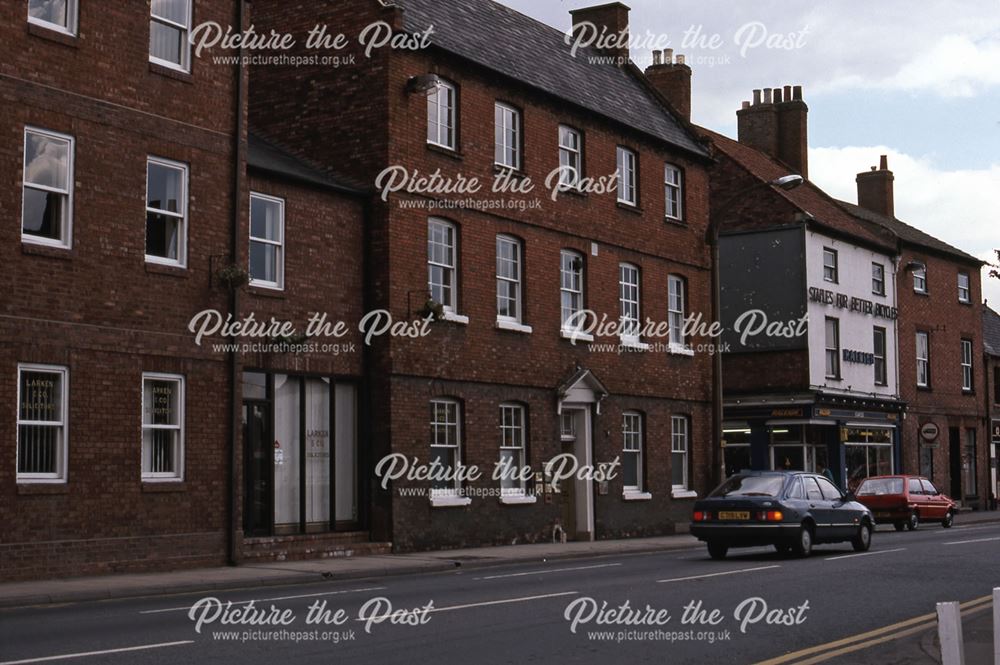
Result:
x=751 y=486
x=880 y=486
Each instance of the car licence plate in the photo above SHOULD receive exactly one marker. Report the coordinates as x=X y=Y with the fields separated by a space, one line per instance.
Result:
x=734 y=515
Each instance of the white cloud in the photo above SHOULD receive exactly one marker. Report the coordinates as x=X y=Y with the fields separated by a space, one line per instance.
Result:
x=960 y=207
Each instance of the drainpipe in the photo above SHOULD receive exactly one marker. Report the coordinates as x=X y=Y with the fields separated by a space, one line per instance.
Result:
x=235 y=387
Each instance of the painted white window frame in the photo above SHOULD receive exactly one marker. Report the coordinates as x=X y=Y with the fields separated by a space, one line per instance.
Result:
x=66 y=224
x=570 y=158
x=923 y=339
x=513 y=438
x=72 y=16
x=882 y=380
x=449 y=266
x=62 y=458
x=514 y=280
x=878 y=278
x=507 y=118
x=182 y=235
x=449 y=496
x=628 y=188
x=446 y=125
x=567 y=277
x=676 y=306
x=178 y=474
x=964 y=290
x=680 y=438
x=632 y=442
x=967 y=376
x=629 y=302
x=279 y=245
x=831 y=269
x=834 y=350
x=920 y=280
x=673 y=183
x=185 y=28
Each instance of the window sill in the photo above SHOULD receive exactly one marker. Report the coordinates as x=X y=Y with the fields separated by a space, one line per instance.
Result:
x=681 y=493
x=513 y=326
x=49 y=251
x=630 y=495
x=447 y=152
x=518 y=500
x=575 y=337
x=965 y=302
x=634 y=344
x=573 y=191
x=171 y=73
x=164 y=269
x=925 y=389
x=681 y=350
x=37 y=487
x=450 y=501
x=517 y=173
x=926 y=294
x=53 y=34
x=153 y=485
x=675 y=222
x=629 y=207
x=452 y=317
x=266 y=292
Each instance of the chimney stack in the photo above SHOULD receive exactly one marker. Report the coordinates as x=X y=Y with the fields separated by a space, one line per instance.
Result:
x=875 y=189
x=608 y=21
x=672 y=79
x=777 y=125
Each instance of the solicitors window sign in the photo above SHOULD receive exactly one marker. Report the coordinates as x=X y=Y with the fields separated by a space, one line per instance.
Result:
x=866 y=435
x=852 y=304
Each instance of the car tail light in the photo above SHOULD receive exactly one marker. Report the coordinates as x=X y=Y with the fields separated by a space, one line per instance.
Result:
x=770 y=516
x=702 y=516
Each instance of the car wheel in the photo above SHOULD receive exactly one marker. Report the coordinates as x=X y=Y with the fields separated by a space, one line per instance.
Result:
x=914 y=522
x=804 y=545
x=948 y=520
x=863 y=541
x=717 y=550
x=899 y=525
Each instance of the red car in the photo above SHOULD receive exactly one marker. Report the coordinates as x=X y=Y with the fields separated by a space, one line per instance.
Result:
x=906 y=501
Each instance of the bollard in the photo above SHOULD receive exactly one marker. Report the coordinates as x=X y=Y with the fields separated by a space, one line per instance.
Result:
x=996 y=626
x=949 y=616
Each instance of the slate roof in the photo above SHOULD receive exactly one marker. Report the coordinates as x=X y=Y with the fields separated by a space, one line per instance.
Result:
x=268 y=158
x=808 y=198
x=510 y=43
x=991 y=331
x=909 y=234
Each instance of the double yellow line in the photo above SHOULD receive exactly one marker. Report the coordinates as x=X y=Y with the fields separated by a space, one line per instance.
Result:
x=823 y=652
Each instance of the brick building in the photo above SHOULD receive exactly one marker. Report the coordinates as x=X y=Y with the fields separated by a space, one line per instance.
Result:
x=940 y=343
x=500 y=376
x=991 y=365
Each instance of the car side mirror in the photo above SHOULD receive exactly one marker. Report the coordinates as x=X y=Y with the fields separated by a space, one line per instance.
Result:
x=849 y=496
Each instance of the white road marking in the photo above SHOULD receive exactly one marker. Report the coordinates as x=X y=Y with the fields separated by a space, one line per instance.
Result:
x=487 y=603
x=977 y=540
x=728 y=572
x=266 y=600
x=545 y=572
x=84 y=654
x=851 y=556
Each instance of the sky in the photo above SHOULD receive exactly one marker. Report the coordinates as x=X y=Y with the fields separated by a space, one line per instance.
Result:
x=917 y=80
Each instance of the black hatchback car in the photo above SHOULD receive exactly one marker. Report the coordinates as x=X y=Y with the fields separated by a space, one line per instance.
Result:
x=790 y=510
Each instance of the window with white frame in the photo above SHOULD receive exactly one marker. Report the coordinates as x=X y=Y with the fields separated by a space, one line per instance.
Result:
x=628 y=286
x=441 y=265
x=627 y=182
x=674 y=192
x=571 y=288
x=879 y=345
x=441 y=107
x=446 y=443
x=675 y=309
x=920 y=280
x=878 y=279
x=679 y=439
x=508 y=136
x=166 y=212
x=830 y=268
x=508 y=279
x=512 y=449
x=169 y=25
x=923 y=360
x=47 y=192
x=267 y=241
x=967 y=365
x=632 y=471
x=570 y=157
x=59 y=15
x=162 y=427
x=42 y=409
x=964 y=292
x=832 y=348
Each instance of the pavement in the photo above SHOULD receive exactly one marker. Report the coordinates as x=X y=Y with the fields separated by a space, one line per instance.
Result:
x=106 y=587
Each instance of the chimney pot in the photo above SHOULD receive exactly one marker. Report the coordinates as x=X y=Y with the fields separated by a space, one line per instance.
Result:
x=746 y=104
x=777 y=95
x=657 y=57
x=668 y=56
x=767 y=95
x=797 y=93
x=756 y=97
x=884 y=163
x=788 y=93
x=680 y=60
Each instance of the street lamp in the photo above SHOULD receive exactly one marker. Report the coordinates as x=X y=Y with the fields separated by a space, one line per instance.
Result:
x=786 y=183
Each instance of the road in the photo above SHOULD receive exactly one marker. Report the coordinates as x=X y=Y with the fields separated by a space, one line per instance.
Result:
x=517 y=613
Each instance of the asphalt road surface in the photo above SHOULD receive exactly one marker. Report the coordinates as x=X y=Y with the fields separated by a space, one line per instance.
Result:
x=766 y=606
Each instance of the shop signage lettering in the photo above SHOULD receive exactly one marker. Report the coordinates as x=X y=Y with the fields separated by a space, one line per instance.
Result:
x=859 y=357
x=844 y=301
x=786 y=413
